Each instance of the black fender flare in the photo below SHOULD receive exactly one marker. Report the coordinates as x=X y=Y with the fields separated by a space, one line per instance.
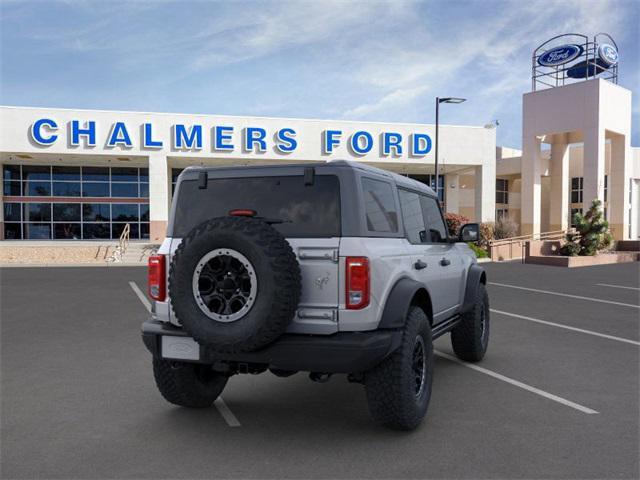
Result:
x=475 y=277
x=399 y=300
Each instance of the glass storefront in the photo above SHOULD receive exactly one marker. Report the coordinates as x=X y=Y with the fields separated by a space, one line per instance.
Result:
x=114 y=197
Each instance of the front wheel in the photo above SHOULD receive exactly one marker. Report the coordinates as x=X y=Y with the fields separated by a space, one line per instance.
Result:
x=470 y=338
x=188 y=384
x=399 y=388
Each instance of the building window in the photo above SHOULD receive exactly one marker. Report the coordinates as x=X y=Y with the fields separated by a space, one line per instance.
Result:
x=606 y=187
x=64 y=215
x=502 y=213
x=502 y=190
x=573 y=212
x=576 y=190
x=175 y=173
x=431 y=181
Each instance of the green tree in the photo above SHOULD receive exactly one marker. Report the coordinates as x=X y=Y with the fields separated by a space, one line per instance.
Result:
x=591 y=235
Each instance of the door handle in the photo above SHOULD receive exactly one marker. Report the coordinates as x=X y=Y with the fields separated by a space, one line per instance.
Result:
x=445 y=261
x=419 y=265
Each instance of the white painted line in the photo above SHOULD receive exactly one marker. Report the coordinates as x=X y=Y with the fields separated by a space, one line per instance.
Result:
x=616 y=286
x=590 y=299
x=566 y=327
x=227 y=414
x=518 y=384
x=143 y=298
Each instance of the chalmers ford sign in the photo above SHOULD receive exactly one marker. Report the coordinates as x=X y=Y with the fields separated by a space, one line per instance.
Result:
x=222 y=138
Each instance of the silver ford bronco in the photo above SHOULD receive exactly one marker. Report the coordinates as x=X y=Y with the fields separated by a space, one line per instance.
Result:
x=325 y=268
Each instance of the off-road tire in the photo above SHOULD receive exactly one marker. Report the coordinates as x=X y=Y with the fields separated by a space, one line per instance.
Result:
x=391 y=387
x=470 y=338
x=278 y=279
x=188 y=384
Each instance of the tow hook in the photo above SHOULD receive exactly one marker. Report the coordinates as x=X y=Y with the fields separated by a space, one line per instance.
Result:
x=319 y=377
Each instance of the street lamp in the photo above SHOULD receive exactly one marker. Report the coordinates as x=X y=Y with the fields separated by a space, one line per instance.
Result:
x=438 y=102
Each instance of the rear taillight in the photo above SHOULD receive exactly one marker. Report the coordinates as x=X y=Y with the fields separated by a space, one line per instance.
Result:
x=357 y=282
x=156 y=278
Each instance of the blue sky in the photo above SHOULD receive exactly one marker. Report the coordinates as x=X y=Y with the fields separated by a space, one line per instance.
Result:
x=367 y=60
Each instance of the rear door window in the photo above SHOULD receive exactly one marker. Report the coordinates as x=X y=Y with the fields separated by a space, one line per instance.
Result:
x=380 y=206
x=412 y=216
x=303 y=210
x=436 y=230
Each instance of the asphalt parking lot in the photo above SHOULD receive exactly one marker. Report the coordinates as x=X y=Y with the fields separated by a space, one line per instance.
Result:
x=556 y=397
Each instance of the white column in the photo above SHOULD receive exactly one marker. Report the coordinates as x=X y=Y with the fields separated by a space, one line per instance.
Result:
x=531 y=188
x=618 y=188
x=485 y=192
x=158 y=196
x=452 y=192
x=559 y=196
x=593 y=166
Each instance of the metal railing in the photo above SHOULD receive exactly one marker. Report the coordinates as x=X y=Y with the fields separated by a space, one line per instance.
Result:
x=123 y=244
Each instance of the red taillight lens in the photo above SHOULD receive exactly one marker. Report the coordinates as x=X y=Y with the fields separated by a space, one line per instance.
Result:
x=357 y=282
x=156 y=278
x=242 y=212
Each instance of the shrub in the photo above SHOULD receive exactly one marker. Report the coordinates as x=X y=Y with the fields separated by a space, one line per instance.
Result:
x=480 y=252
x=454 y=222
x=505 y=228
x=592 y=233
x=487 y=233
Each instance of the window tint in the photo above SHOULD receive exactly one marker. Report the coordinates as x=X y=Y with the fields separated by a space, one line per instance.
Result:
x=96 y=212
x=66 y=173
x=412 y=216
x=66 y=212
x=66 y=189
x=95 y=189
x=305 y=210
x=380 y=206
x=124 y=212
x=36 y=172
x=436 y=230
x=37 y=189
x=12 y=212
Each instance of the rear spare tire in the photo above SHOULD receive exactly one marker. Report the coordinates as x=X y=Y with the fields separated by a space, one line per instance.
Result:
x=234 y=284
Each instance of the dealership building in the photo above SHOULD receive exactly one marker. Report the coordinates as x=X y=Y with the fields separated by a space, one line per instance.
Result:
x=85 y=174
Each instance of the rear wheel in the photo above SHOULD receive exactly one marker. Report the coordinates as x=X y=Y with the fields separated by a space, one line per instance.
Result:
x=188 y=384
x=470 y=338
x=399 y=388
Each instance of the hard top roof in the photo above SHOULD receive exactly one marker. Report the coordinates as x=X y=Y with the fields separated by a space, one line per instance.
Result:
x=400 y=180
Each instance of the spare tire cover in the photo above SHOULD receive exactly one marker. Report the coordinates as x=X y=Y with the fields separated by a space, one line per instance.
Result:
x=234 y=284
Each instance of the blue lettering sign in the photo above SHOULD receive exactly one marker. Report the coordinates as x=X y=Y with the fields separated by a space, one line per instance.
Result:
x=222 y=137
x=420 y=144
x=286 y=141
x=186 y=139
x=255 y=136
x=357 y=146
x=89 y=131
x=119 y=136
x=331 y=140
x=37 y=134
x=147 y=138
x=391 y=140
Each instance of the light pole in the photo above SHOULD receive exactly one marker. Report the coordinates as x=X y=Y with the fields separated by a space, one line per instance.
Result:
x=438 y=102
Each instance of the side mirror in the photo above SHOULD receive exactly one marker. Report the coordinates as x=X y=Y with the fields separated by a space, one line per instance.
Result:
x=469 y=232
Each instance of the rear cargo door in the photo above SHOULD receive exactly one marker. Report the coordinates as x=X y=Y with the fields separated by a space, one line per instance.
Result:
x=318 y=308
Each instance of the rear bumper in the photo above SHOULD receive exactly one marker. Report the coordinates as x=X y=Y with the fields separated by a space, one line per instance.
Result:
x=344 y=352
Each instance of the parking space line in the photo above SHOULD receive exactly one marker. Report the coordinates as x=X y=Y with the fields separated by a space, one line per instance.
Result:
x=616 y=286
x=566 y=327
x=224 y=411
x=143 y=298
x=518 y=384
x=590 y=299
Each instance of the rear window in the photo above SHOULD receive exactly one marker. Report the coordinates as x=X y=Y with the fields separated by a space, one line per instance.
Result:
x=306 y=210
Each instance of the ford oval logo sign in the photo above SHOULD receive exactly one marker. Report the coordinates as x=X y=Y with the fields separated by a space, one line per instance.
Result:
x=608 y=54
x=560 y=55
